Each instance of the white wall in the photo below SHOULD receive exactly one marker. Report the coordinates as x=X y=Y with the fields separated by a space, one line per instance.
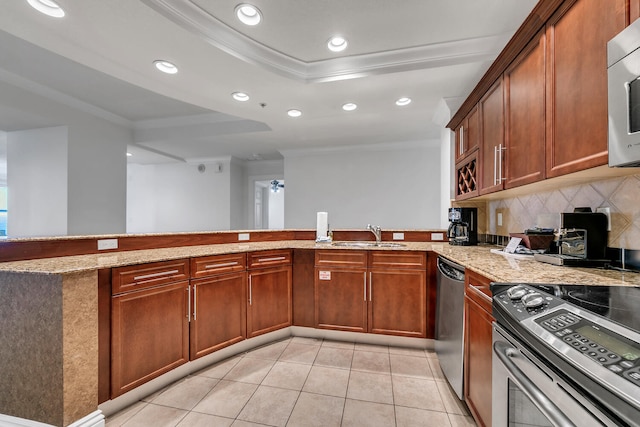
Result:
x=177 y=197
x=276 y=209
x=97 y=177
x=238 y=193
x=262 y=170
x=445 y=110
x=37 y=182
x=390 y=185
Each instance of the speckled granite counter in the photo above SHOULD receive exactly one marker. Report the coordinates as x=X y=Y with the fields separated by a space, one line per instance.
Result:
x=501 y=268
x=69 y=264
x=478 y=258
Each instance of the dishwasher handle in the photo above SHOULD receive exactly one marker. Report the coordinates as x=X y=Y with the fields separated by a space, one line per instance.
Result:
x=450 y=269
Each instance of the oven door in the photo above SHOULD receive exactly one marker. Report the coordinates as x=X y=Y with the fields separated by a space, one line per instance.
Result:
x=526 y=392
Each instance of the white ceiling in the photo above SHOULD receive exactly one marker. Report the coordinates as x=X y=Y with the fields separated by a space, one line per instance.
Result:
x=425 y=49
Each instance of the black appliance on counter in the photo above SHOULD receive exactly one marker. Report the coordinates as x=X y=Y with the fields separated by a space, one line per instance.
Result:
x=567 y=354
x=582 y=241
x=463 y=226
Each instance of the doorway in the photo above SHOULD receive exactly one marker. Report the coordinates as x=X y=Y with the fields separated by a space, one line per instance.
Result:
x=268 y=204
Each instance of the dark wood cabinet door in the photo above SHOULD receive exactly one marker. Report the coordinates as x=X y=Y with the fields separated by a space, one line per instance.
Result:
x=477 y=368
x=577 y=37
x=525 y=118
x=467 y=134
x=341 y=299
x=491 y=108
x=219 y=316
x=398 y=302
x=149 y=335
x=477 y=347
x=269 y=300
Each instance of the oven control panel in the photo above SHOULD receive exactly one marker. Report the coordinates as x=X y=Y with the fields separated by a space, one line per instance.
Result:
x=523 y=302
x=617 y=353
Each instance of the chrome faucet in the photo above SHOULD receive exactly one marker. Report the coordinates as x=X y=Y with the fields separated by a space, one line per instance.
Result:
x=377 y=231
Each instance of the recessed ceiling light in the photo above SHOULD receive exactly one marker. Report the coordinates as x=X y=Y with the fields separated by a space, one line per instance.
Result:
x=248 y=14
x=294 y=113
x=349 y=106
x=240 y=96
x=165 y=66
x=48 y=7
x=401 y=102
x=129 y=155
x=337 y=44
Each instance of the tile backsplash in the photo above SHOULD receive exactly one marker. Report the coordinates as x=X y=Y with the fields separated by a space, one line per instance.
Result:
x=620 y=194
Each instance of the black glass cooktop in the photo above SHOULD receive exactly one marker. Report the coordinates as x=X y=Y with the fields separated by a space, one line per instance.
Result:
x=618 y=303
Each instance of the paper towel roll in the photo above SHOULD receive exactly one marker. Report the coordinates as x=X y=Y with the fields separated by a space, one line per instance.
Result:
x=322 y=225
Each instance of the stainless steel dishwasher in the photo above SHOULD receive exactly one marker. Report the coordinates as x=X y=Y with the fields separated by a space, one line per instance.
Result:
x=449 y=342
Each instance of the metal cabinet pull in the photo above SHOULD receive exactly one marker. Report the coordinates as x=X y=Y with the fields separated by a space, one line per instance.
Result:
x=150 y=276
x=189 y=303
x=370 y=282
x=500 y=150
x=277 y=258
x=195 y=304
x=461 y=139
x=250 y=295
x=495 y=165
x=365 y=286
x=224 y=264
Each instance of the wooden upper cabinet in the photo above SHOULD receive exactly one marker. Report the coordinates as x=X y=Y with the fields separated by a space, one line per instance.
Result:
x=525 y=132
x=467 y=134
x=634 y=10
x=577 y=36
x=491 y=108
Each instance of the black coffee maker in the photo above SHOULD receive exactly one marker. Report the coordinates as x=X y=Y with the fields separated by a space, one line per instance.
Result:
x=463 y=226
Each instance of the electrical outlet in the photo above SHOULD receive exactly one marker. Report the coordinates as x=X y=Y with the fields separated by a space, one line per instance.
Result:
x=398 y=236
x=499 y=220
x=104 y=244
x=502 y=222
x=607 y=211
x=243 y=236
x=437 y=237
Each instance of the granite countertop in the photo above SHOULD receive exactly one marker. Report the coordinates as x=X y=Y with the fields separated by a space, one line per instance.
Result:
x=72 y=264
x=502 y=268
x=496 y=267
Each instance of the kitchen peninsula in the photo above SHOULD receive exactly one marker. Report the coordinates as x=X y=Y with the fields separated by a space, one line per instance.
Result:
x=53 y=319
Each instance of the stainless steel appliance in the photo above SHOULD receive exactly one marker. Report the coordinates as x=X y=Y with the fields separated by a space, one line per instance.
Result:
x=582 y=240
x=450 y=322
x=566 y=355
x=623 y=59
x=463 y=226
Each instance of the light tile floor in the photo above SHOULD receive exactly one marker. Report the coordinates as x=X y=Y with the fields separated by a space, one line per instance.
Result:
x=307 y=382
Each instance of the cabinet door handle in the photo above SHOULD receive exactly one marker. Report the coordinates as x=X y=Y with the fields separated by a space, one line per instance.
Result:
x=250 y=295
x=189 y=303
x=152 y=275
x=365 y=286
x=195 y=303
x=495 y=165
x=461 y=139
x=276 y=258
x=224 y=264
x=370 y=282
x=500 y=177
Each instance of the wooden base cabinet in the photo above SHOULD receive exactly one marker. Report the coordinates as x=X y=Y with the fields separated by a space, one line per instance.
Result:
x=382 y=292
x=477 y=347
x=149 y=322
x=218 y=303
x=219 y=316
x=269 y=292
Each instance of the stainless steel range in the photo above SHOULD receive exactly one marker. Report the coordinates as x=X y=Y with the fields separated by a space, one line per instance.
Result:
x=566 y=355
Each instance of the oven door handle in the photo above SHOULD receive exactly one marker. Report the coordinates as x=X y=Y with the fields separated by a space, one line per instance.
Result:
x=505 y=352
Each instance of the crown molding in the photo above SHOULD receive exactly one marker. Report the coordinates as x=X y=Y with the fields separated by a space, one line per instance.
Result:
x=386 y=146
x=198 y=21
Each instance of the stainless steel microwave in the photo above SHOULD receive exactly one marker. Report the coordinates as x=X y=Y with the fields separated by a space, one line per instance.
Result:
x=623 y=59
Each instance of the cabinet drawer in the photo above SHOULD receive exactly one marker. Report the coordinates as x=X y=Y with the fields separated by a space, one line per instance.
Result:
x=135 y=277
x=477 y=289
x=341 y=259
x=386 y=259
x=269 y=258
x=217 y=264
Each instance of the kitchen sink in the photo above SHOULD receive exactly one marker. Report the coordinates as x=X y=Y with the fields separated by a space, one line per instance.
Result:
x=369 y=244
